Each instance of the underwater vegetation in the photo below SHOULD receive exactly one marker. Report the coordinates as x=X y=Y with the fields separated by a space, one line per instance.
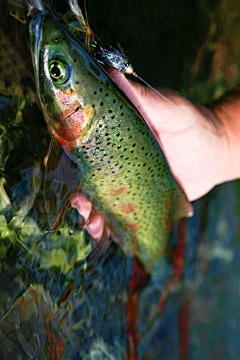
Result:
x=64 y=296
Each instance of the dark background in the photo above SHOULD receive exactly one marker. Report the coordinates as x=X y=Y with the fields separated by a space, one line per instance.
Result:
x=189 y=46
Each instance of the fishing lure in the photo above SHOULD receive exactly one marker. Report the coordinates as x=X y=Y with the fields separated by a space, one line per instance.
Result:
x=104 y=53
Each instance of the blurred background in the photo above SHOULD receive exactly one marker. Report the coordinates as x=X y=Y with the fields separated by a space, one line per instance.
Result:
x=188 y=46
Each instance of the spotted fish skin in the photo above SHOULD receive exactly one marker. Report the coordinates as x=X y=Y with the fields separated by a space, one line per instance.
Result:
x=123 y=169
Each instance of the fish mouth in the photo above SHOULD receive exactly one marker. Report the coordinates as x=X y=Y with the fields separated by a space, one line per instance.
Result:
x=65 y=114
x=35 y=32
x=69 y=124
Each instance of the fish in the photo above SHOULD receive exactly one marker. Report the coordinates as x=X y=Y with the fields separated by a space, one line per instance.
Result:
x=118 y=162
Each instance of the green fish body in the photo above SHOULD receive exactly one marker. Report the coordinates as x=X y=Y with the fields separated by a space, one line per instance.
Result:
x=119 y=163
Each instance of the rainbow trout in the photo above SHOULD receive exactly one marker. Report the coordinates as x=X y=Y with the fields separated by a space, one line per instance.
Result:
x=116 y=160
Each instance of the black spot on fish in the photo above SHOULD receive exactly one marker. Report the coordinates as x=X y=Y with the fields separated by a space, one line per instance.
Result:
x=93 y=106
x=110 y=111
x=77 y=82
x=114 y=101
x=100 y=89
x=121 y=106
x=133 y=145
x=101 y=103
x=122 y=114
x=95 y=93
x=74 y=60
x=106 y=94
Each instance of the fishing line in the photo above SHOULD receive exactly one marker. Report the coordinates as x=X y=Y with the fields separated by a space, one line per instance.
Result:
x=174 y=105
x=156 y=91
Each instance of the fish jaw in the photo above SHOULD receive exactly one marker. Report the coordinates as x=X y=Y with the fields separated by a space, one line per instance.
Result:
x=35 y=31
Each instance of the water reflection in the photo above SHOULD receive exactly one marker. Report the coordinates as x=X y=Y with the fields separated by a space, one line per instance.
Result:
x=63 y=298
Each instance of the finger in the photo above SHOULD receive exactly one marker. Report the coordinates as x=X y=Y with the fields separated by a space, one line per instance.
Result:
x=83 y=206
x=95 y=226
x=94 y=221
x=162 y=110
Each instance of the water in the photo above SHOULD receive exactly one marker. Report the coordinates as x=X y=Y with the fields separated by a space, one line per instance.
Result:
x=59 y=299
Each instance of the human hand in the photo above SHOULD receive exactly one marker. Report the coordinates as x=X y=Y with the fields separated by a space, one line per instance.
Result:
x=194 y=139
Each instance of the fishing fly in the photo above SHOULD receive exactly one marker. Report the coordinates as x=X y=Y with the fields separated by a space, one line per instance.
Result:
x=104 y=53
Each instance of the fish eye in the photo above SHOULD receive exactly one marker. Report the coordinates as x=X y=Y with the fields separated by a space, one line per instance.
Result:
x=59 y=71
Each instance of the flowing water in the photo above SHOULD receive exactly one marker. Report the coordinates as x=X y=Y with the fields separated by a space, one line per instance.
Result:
x=59 y=299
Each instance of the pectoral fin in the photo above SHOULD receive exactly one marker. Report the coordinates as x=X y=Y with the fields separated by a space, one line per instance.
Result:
x=62 y=178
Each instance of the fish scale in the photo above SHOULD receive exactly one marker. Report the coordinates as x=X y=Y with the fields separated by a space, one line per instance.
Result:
x=120 y=164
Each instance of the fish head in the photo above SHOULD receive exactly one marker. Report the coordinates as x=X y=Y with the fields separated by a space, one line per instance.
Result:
x=67 y=79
